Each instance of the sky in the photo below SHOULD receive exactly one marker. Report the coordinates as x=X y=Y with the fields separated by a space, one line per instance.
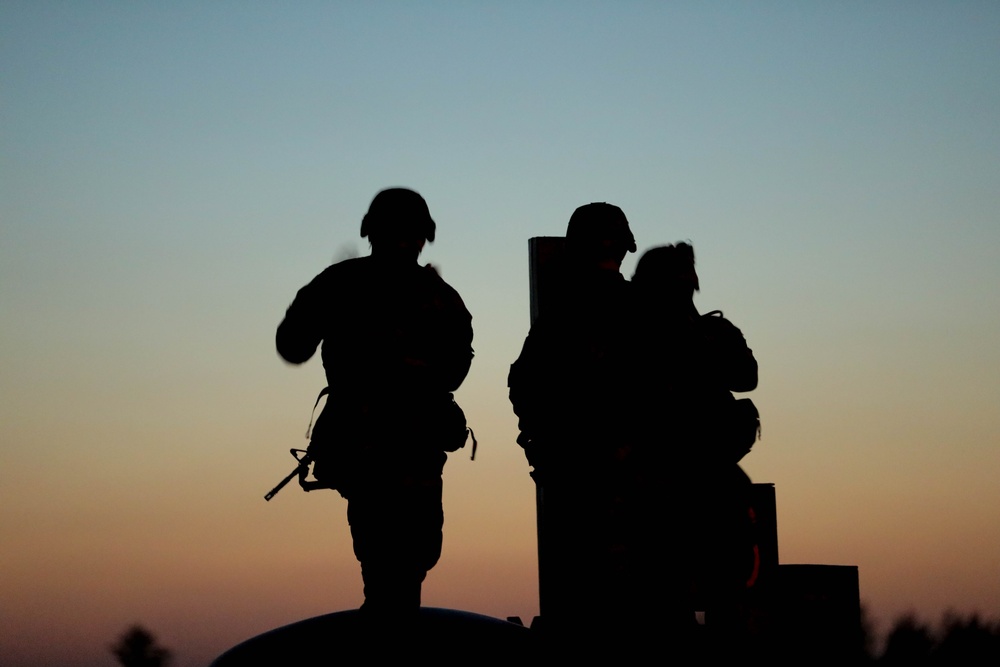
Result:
x=171 y=174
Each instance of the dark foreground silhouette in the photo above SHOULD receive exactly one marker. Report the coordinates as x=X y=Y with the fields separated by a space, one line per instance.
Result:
x=396 y=341
x=958 y=641
x=692 y=425
x=623 y=394
x=626 y=414
x=569 y=389
x=435 y=636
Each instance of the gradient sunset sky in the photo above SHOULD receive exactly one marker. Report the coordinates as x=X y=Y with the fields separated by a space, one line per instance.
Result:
x=171 y=173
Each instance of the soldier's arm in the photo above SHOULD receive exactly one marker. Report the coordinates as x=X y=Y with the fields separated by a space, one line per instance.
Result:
x=458 y=355
x=299 y=334
x=533 y=394
x=745 y=379
x=454 y=345
x=737 y=363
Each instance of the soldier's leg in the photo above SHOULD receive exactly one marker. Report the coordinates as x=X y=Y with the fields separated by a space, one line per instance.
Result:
x=396 y=524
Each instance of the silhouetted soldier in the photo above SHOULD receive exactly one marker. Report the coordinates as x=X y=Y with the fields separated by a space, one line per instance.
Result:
x=397 y=340
x=692 y=364
x=569 y=389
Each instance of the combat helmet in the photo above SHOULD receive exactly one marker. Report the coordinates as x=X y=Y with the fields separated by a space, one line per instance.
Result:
x=668 y=267
x=398 y=210
x=599 y=228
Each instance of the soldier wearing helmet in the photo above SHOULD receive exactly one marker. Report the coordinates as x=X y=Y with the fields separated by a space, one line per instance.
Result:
x=396 y=342
x=570 y=390
x=692 y=364
x=598 y=236
x=574 y=355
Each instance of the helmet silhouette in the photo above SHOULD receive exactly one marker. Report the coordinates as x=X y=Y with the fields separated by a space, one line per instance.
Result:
x=667 y=267
x=598 y=227
x=398 y=212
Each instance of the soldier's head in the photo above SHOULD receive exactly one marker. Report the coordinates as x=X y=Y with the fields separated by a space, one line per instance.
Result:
x=598 y=235
x=668 y=270
x=398 y=223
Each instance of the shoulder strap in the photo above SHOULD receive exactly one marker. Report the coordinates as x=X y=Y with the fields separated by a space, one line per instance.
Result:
x=312 y=415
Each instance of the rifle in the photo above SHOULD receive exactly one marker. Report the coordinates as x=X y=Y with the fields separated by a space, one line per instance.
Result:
x=302 y=471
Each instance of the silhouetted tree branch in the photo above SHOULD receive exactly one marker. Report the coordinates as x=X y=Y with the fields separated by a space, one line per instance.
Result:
x=960 y=641
x=137 y=648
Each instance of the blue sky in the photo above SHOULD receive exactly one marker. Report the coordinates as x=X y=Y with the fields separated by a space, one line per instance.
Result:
x=171 y=174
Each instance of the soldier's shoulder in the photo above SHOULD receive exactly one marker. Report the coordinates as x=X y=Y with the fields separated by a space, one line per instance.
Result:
x=335 y=279
x=442 y=291
x=348 y=269
x=715 y=322
x=430 y=275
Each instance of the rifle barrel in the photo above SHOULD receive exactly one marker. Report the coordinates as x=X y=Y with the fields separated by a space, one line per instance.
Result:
x=282 y=483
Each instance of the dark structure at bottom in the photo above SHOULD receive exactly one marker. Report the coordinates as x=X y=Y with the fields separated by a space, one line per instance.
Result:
x=442 y=636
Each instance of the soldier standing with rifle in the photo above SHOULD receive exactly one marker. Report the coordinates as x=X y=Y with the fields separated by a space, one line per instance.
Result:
x=396 y=342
